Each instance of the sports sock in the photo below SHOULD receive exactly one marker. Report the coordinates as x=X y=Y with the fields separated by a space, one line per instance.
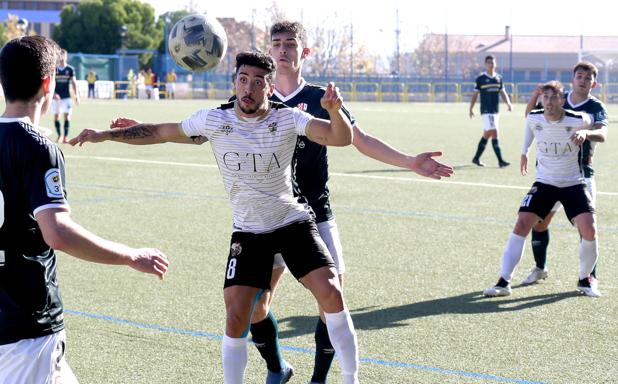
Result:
x=57 y=126
x=480 y=148
x=513 y=252
x=234 y=352
x=540 y=241
x=588 y=254
x=496 y=145
x=266 y=339
x=67 y=124
x=324 y=353
x=342 y=336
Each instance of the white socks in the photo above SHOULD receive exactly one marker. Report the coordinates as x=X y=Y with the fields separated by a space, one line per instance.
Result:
x=513 y=253
x=588 y=254
x=235 y=354
x=342 y=336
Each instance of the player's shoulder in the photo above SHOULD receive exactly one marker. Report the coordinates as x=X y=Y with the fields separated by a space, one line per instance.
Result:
x=595 y=104
x=227 y=106
x=575 y=114
x=24 y=134
x=536 y=115
x=278 y=105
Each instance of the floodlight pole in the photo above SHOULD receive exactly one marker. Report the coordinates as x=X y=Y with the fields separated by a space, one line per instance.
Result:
x=351 y=51
x=397 y=33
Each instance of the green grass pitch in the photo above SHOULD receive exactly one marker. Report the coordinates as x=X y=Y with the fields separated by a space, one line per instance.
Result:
x=418 y=254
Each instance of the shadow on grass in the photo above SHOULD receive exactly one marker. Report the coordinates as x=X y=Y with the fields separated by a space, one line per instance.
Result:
x=469 y=303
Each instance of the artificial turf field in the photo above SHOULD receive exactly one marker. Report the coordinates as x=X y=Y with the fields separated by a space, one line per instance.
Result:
x=418 y=254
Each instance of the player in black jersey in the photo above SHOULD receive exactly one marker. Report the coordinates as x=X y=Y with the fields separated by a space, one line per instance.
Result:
x=65 y=80
x=490 y=87
x=35 y=221
x=289 y=49
x=578 y=99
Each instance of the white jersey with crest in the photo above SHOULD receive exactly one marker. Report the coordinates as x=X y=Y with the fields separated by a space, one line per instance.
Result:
x=254 y=157
x=558 y=160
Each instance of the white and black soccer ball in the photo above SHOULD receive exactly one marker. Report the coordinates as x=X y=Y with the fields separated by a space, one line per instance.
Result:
x=197 y=42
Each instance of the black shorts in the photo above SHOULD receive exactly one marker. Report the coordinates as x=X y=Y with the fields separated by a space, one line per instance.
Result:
x=250 y=261
x=541 y=199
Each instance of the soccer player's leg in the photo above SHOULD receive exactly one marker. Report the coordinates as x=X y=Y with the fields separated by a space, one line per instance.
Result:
x=55 y=108
x=248 y=273
x=265 y=332
x=579 y=210
x=540 y=242
x=324 y=351
x=67 y=118
x=309 y=261
x=535 y=205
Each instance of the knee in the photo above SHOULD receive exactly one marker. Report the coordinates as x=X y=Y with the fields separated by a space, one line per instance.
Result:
x=331 y=299
x=260 y=311
x=589 y=233
x=541 y=226
x=236 y=325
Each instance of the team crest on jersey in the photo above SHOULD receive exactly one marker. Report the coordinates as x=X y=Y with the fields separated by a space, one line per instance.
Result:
x=568 y=129
x=53 y=184
x=538 y=127
x=235 y=249
x=226 y=128
x=301 y=144
x=272 y=127
x=302 y=106
x=533 y=189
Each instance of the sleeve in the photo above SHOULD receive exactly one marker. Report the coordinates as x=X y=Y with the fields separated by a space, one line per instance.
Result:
x=476 y=84
x=600 y=117
x=195 y=125
x=528 y=138
x=44 y=178
x=301 y=121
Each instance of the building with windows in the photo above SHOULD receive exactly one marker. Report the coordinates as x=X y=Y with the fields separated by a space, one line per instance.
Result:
x=42 y=15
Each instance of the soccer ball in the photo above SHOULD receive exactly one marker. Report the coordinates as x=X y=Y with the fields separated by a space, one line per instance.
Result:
x=197 y=42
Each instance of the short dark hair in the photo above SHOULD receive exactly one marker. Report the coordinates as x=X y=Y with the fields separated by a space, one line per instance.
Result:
x=24 y=63
x=490 y=57
x=293 y=27
x=554 y=86
x=256 y=59
x=586 y=66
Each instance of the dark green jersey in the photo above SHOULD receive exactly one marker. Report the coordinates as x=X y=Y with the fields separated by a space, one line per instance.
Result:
x=310 y=162
x=63 y=81
x=489 y=87
x=598 y=113
x=31 y=180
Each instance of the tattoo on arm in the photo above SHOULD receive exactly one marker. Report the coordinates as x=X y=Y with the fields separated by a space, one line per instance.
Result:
x=137 y=132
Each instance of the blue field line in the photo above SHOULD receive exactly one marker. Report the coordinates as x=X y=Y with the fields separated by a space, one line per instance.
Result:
x=212 y=336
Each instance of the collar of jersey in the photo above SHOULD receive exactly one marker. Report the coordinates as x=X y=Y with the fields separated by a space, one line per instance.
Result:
x=576 y=105
x=491 y=77
x=291 y=95
x=24 y=119
x=250 y=119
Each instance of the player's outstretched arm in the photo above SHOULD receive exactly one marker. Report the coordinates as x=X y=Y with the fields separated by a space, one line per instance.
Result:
x=423 y=163
x=62 y=233
x=126 y=122
x=337 y=131
x=141 y=134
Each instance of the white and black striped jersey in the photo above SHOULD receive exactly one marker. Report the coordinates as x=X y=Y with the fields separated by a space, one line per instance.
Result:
x=559 y=161
x=254 y=157
x=31 y=180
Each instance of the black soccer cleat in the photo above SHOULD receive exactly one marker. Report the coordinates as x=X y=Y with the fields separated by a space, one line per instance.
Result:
x=478 y=162
x=503 y=164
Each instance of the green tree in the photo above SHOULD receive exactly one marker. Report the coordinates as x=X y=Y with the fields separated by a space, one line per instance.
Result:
x=95 y=26
x=172 y=18
x=3 y=37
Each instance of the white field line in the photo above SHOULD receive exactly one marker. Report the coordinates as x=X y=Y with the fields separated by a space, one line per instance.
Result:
x=338 y=174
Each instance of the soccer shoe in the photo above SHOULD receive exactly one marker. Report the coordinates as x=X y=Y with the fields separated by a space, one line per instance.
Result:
x=478 y=162
x=589 y=287
x=535 y=275
x=497 y=291
x=503 y=164
x=280 y=377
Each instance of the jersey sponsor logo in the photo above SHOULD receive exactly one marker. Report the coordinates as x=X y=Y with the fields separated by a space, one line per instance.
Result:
x=53 y=184
x=226 y=128
x=235 y=249
x=302 y=106
x=250 y=162
x=555 y=148
x=568 y=129
x=538 y=127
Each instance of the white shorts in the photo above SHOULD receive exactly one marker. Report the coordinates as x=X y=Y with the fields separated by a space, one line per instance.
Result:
x=40 y=360
x=61 y=106
x=490 y=121
x=330 y=234
x=591 y=184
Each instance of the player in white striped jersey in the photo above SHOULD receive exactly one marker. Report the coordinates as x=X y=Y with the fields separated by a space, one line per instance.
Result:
x=253 y=141
x=559 y=134
x=578 y=99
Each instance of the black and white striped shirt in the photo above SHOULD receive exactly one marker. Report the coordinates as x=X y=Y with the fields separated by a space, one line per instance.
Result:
x=254 y=158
